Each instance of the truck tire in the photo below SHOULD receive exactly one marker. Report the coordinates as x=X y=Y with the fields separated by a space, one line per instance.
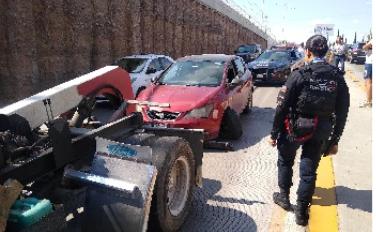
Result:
x=174 y=185
x=248 y=107
x=170 y=155
x=231 y=127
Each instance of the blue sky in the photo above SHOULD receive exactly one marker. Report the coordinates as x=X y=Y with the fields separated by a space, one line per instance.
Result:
x=294 y=20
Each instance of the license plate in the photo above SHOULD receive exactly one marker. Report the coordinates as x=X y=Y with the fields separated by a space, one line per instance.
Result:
x=261 y=76
x=160 y=125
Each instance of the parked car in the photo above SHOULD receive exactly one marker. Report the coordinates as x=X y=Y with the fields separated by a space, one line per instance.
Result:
x=299 y=55
x=294 y=53
x=203 y=92
x=142 y=68
x=248 y=52
x=272 y=66
x=356 y=53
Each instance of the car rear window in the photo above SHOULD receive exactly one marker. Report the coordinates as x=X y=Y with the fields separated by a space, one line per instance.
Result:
x=360 y=45
x=132 y=65
x=246 y=49
x=194 y=73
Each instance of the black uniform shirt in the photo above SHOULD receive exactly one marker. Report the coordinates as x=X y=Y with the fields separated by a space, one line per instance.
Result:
x=289 y=93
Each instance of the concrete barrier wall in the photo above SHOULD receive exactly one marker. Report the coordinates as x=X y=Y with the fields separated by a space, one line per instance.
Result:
x=46 y=42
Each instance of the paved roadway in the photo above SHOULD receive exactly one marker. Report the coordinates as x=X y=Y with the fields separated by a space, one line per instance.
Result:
x=238 y=186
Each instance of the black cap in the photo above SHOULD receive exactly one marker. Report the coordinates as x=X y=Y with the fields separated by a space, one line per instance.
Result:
x=318 y=45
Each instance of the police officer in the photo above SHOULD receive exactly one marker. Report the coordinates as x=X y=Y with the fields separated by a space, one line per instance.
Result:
x=313 y=97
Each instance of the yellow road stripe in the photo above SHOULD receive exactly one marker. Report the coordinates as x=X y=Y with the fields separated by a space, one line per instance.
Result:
x=323 y=212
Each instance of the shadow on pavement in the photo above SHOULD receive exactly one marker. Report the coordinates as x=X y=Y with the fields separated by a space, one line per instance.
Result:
x=355 y=199
x=211 y=212
x=256 y=126
x=269 y=84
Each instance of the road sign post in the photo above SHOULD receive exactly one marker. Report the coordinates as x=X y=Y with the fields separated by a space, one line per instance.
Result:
x=324 y=29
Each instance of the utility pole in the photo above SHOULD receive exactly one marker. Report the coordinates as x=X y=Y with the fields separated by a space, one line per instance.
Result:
x=369 y=37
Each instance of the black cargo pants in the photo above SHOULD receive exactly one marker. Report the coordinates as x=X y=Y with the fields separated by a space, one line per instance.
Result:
x=309 y=160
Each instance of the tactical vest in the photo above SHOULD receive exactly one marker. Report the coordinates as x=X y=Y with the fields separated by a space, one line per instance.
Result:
x=319 y=90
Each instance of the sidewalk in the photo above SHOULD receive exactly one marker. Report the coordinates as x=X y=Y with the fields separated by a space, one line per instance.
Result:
x=343 y=195
x=352 y=164
x=355 y=73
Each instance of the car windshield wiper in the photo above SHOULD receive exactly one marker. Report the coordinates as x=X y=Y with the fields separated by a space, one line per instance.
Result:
x=201 y=85
x=160 y=83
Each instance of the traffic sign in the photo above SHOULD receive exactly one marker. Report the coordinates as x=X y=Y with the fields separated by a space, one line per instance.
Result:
x=324 y=29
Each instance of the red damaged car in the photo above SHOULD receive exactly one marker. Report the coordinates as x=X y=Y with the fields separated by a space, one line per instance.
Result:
x=202 y=92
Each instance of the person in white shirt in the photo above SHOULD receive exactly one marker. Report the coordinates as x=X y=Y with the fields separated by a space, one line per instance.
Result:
x=368 y=74
x=339 y=52
x=301 y=48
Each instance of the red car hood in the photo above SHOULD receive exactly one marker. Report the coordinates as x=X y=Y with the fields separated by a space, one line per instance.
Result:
x=180 y=98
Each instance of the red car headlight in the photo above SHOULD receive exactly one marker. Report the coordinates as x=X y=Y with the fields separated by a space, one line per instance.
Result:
x=138 y=108
x=202 y=112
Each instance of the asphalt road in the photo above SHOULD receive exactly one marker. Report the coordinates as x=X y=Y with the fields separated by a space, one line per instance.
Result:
x=238 y=185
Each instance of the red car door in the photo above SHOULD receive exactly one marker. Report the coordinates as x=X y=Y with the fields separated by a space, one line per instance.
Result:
x=245 y=84
x=233 y=91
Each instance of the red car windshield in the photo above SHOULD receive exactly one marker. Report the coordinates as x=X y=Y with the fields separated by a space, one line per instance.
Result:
x=194 y=73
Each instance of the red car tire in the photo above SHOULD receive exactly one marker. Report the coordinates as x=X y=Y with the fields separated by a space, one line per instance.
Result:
x=231 y=127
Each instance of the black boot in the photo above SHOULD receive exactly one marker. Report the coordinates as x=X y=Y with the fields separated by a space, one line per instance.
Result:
x=282 y=199
x=301 y=213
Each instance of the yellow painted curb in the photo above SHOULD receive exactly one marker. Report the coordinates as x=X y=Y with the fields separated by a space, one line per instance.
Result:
x=323 y=211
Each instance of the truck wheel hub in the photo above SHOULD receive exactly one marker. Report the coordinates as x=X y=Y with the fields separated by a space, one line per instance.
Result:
x=178 y=186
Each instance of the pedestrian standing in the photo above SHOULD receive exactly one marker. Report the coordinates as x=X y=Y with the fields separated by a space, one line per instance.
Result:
x=339 y=52
x=301 y=48
x=368 y=74
x=313 y=97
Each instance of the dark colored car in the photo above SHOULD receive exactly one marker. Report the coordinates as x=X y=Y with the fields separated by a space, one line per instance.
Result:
x=294 y=53
x=248 y=52
x=356 y=53
x=273 y=66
